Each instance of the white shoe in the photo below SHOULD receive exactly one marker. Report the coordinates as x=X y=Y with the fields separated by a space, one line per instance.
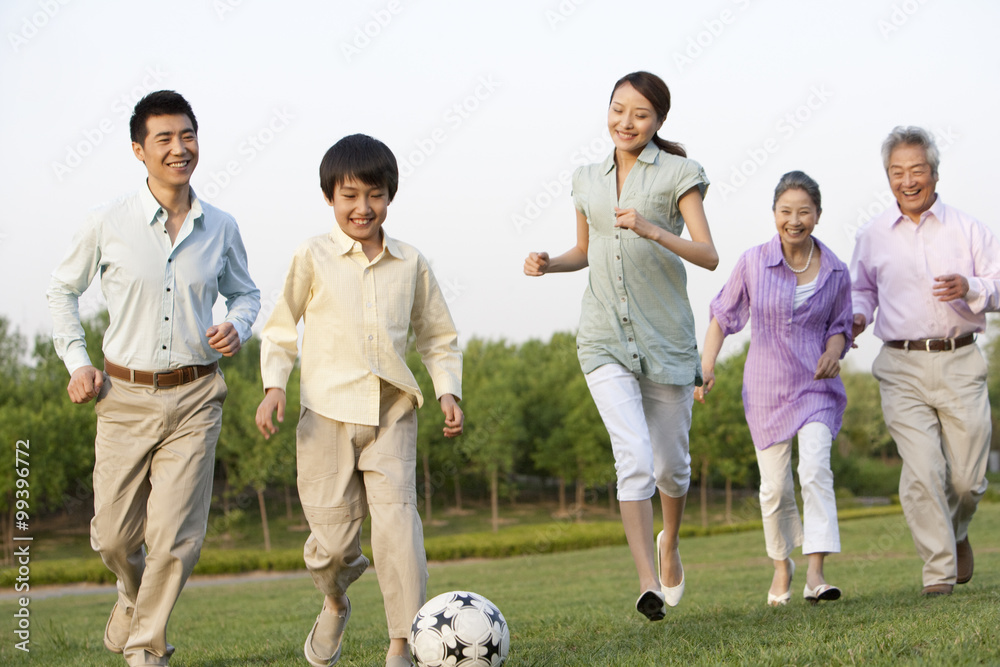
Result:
x=821 y=592
x=671 y=594
x=782 y=600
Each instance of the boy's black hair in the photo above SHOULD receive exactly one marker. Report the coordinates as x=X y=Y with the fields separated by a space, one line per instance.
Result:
x=159 y=103
x=362 y=157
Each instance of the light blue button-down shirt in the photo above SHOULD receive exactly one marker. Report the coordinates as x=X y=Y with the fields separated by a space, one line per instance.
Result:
x=635 y=309
x=159 y=294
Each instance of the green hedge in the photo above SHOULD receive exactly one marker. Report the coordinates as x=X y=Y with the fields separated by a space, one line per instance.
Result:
x=511 y=541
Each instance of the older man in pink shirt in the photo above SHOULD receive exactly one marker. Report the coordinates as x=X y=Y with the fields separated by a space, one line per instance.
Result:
x=932 y=272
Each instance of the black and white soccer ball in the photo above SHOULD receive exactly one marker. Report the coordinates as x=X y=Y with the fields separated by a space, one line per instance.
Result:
x=459 y=629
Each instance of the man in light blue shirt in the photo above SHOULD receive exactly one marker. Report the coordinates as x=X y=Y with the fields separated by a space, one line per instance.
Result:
x=164 y=256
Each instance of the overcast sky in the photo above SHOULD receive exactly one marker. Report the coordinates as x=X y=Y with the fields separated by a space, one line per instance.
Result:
x=489 y=106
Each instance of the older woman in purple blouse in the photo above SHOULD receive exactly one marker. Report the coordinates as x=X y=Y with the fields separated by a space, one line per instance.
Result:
x=800 y=296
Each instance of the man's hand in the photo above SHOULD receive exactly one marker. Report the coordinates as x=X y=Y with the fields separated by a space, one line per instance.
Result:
x=85 y=384
x=224 y=338
x=454 y=418
x=950 y=287
x=274 y=399
x=857 y=328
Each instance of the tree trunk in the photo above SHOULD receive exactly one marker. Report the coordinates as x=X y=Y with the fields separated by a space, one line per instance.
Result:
x=263 y=519
x=562 y=495
x=288 y=503
x=495 y=500
x=581 y=500
x=704 y=492
x=428 y=489
x=729 y=499
x=225 y=490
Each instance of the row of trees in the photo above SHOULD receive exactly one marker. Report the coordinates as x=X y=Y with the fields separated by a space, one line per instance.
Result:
x=528 y=414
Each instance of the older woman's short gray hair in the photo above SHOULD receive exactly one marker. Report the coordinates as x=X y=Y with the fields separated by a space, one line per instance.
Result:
x=798 y=180
x=911 y=136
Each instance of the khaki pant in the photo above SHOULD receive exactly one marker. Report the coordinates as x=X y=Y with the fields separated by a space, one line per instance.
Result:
x=346 y=471
x=155 y=459
x=937 y=410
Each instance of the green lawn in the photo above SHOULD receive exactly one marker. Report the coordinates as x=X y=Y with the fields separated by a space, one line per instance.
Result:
x=576 y=609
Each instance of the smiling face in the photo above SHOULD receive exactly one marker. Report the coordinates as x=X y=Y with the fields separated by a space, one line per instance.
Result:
x=795 y=216
x=169 y=151
x=911 y=180
x=360 y=210
x=632 y=121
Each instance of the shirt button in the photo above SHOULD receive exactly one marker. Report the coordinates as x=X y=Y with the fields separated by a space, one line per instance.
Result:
x=166 y=319
x=635 y=356
x=616 y=236
x=169 y=260
x=371 y=337
x=168 y=289
x=623 y=299
x=624 y=319
x=619 y=278
x=630 y=340
x=618 y=256
x=163 y=347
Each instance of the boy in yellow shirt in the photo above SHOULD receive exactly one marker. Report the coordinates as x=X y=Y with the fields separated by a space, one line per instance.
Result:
x=359 y=291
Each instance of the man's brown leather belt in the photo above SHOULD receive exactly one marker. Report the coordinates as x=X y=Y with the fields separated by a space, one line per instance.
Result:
x=171 y=378
x=933 y=344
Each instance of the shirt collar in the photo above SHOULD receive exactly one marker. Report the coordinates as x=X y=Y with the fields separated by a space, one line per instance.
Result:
x=648 y=155
x=345 y=243
x=151 y=208
x=772 y=253
x=936 y=209
x=774 y=257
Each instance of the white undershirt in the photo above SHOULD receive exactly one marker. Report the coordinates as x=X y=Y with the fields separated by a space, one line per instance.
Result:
x=803 y=292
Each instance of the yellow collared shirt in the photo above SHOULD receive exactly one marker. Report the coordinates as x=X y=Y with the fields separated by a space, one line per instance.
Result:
x=356 y=316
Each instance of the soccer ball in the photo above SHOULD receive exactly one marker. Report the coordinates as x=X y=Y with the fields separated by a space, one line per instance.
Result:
x=459 y=629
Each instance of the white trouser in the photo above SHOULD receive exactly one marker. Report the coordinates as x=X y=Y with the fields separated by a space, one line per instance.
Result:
x=649 y=424
x=783 y=531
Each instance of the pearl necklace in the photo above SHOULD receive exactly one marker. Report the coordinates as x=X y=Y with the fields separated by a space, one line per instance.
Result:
x=808 y=260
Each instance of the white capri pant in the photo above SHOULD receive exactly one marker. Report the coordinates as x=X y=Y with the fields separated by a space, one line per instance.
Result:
x=649 y=425
x=783 y=531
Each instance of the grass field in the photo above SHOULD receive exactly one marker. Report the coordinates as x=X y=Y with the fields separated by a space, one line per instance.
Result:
x=576 y=609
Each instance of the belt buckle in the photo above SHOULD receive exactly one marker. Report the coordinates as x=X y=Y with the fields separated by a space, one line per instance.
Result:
x=927 y=344
x=156 y=378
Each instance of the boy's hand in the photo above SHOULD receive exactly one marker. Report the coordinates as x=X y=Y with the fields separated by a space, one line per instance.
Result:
x=274 y=399
x=454 y=418
x=224 y=338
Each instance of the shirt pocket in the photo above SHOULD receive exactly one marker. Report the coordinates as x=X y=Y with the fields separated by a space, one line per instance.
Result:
x=662 y=212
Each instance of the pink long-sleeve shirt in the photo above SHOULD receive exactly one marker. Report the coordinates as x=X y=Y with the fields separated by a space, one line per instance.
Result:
x=895 y=262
